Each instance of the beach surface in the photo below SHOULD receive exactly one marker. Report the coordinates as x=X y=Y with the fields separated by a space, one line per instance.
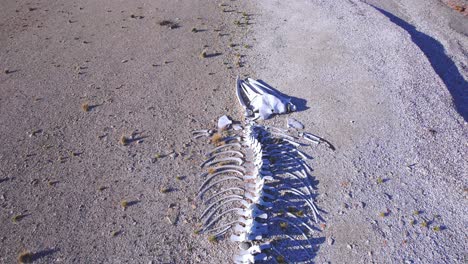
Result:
x=97 y=163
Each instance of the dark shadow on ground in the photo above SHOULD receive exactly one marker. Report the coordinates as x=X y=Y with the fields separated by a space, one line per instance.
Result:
x=44 y=253
x=211 y=55
x=442 y=64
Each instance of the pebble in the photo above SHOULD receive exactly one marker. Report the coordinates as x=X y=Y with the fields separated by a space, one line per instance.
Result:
x=173 y=216
x=244 y=245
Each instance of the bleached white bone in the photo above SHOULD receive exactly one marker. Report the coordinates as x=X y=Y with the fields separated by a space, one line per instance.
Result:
x=200 y=194
x=239 y=161
x=228 y=145
x=232 y=189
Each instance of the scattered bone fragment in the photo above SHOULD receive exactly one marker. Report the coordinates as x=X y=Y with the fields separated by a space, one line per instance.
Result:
x=294 y=123
x=224 y=122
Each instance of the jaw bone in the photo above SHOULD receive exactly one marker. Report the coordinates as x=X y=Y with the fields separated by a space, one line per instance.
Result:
x=260 y=100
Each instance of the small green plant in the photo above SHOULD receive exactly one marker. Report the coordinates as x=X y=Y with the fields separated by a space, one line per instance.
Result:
x=416 y=212
x=17 y=218
x=283 y=225
x=115 y=233
x=25 y=257
x=213 y=239
x=424 y=223
x=383 y=214
x=85 y=107
x=165 y=189
x=281 y=259
x=179 y=178
x=299 y=213
x=194 y=30
x=197 y=232
x=436 y=228
x=412 y=222
x=124 y=140
x=380 y=180
x=216 y=139
x=124 y=204
x=203 y=54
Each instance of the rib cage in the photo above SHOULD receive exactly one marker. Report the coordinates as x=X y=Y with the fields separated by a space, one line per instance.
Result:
x=257 y=187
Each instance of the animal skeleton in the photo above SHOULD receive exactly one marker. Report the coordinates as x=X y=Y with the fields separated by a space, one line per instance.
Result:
x=258 y=187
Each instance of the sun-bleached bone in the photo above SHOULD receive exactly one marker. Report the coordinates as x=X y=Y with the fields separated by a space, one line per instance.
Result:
x=238 y=197
x=261 y=101
x=232 y=189
x=239 y=161
x=226 y=152
x=206 y=226
x=219 y=148
x=209 y=213
x=203 y=191
x=259 y=161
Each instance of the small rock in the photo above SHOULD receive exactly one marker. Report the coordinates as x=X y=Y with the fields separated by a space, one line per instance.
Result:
x=124 y=61
x=330 y=241
x=349 y=246
x=173 y=215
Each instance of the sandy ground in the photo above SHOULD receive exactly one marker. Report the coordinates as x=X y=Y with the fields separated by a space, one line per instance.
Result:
x=380 y=89
x=63 y=171
x=385 y=84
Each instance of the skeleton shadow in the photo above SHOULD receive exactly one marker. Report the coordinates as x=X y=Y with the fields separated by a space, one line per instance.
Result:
x=292 y=231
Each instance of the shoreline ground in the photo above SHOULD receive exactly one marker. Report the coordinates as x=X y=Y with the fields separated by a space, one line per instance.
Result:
x=386 y=85
x=76 y=78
